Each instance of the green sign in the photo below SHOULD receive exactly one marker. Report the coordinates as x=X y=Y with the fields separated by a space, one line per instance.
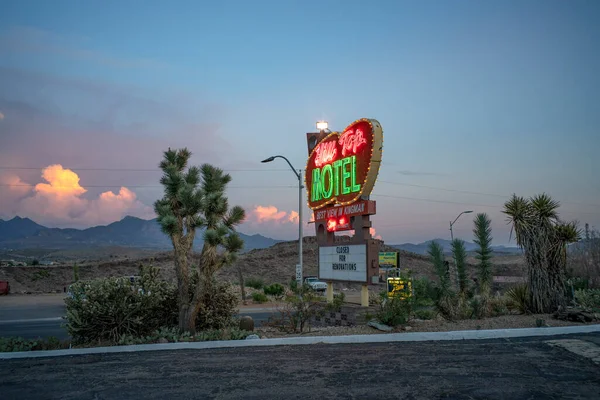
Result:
x=389 y=259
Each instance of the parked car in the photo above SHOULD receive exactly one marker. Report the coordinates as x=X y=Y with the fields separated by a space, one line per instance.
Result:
x=315 y=284
x=4 y=287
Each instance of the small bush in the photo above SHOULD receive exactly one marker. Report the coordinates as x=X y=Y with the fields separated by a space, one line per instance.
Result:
x=12 y=344
x=172 y=335
x=394 y=311
x=589 y=299
x=35 y=262
x=275 y=289
x=258 y=297
x=338 y=302
x=425 y=314
x=499 y=306
x=217 y=309
x=41 y=274
x=424 y=291
x=103 y=310
x=518 y=298
x=255 y=283
x=297 y=312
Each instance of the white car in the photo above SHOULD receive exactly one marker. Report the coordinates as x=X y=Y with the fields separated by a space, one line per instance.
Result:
x=315 y=283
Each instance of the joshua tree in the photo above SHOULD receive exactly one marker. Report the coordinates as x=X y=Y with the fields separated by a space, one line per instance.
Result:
x=195 y=199
x=459 y=254
x=483 y=238
x=544 y=239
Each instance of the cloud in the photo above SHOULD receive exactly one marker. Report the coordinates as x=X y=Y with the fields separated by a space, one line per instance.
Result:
x=23 y=39
x=60 y=201
x=94 y=124
x=1 y=116
x=264 y=214
x=374 y=234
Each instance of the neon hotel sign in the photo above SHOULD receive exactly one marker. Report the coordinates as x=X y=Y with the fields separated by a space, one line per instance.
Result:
x=343 y=167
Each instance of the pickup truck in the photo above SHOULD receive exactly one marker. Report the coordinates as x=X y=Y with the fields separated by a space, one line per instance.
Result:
x=315 y=284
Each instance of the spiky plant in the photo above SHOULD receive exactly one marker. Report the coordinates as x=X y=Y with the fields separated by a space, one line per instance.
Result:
x=194 y=198
x=436 y=252
x=459 y=253
x=483 y=239
x=544 y=238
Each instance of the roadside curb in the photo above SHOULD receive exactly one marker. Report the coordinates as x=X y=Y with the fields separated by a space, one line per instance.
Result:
x=349 y=339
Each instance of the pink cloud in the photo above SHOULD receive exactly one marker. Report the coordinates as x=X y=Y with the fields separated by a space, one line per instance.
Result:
x=59 y=201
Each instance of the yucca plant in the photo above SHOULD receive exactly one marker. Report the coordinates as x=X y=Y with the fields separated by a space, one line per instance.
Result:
x=519 y=298
x=544 y=239
x=483 y=239
x=459 y=253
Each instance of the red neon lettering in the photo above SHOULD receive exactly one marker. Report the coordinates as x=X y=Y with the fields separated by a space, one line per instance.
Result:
x=331 y=224
x=351 y=141
x=326 y=153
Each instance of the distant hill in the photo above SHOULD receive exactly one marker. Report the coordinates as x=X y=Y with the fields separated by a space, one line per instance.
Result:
x=130 y=232
x=422 y=248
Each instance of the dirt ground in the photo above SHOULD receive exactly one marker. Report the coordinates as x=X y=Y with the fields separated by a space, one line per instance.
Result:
x=437 y=325
x=274 y=264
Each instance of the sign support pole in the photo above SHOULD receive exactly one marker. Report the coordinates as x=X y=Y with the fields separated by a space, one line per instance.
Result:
x=364 y=296
x=330 y=292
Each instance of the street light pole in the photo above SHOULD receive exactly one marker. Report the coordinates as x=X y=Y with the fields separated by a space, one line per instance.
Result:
x=452 y=238
x=299 y=270
x=452 y=223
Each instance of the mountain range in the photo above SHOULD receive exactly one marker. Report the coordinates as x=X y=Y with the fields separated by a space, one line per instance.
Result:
x=422 y=248
x=19 y=233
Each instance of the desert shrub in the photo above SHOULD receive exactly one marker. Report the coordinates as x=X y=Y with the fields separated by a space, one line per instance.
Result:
x=394 y=311
x=424 y=291
x=338 y=302
x=11 y=344
x=584 y=259
x=255 y=283
x=107 y=308
x=35 y=262
x=217 y=307
x=588 y=298
x=425 y=314
x=518 y=298
x=173 y=335
x=40 y=274
x=276 y=289
x=258 y=297
x=499 y=306
x=299 y=308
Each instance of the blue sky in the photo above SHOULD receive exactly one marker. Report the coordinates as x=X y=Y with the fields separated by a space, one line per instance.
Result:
x=488 y=98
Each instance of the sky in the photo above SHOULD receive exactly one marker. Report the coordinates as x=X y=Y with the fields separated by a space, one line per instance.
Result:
x=477 y=100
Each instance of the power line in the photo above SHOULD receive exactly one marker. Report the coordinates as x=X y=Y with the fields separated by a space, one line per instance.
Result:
x=136 y=169
x=147 y=186
x=475 y=193
x=469 y=204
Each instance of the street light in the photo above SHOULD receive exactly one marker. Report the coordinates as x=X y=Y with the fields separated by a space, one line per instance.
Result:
x=322 y=126
x=452 y=223
x=300 y=234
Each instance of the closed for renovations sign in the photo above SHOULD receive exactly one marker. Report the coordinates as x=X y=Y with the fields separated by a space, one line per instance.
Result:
x=343 y=263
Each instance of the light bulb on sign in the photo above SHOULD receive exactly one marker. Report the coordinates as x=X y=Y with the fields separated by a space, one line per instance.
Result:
x=322 y=126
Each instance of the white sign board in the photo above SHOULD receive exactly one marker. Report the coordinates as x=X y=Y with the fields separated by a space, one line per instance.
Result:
x=343 y=263
x=298 y=272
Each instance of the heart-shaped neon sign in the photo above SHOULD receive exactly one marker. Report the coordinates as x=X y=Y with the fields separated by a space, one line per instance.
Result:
x=343 y=167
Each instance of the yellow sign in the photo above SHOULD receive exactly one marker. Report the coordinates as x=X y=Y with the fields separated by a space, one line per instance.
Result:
x=389 y=260
x=399 y=287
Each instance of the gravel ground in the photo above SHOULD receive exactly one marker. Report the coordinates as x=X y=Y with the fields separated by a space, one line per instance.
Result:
x=437 y=325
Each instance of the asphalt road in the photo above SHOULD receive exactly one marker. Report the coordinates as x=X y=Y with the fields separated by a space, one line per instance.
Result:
x=512 y=369
x=31 y=319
